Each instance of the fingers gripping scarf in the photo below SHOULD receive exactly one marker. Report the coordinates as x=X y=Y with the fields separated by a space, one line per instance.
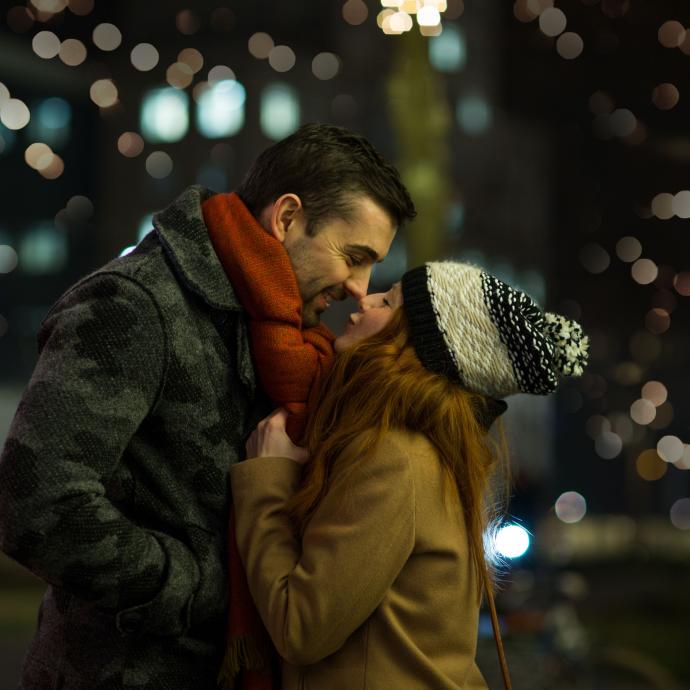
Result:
x=289 y=362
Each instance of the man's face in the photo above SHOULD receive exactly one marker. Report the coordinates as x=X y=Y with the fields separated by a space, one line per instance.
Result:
x=337 y=261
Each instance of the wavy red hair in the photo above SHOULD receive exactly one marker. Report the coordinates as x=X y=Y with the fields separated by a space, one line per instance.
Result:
x=380 y=384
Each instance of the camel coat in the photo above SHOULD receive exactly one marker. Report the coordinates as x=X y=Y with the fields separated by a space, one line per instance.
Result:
x=379 y=594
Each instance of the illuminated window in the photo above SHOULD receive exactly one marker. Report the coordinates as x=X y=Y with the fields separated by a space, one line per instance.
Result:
x=165 y=115
x=280 y=111
x=474 y=115
x=448 y=51
x=220 y=110
x=43 y=249
x=50 y=122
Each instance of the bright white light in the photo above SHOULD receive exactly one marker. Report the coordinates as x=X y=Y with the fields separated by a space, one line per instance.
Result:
x=220 y=109
x=428 y=16
x=512 y=541
x=127 y=250
x=164 y=115
x=280 y=111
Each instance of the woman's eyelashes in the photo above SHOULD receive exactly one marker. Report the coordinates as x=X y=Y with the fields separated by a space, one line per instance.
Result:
x=386 y=302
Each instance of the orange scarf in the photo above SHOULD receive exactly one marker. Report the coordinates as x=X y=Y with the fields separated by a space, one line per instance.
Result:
x=289 y=362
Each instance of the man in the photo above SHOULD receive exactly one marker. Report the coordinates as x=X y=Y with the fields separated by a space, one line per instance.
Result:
x=113 y=479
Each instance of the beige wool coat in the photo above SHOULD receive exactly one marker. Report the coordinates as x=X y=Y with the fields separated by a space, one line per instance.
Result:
x=380 y=593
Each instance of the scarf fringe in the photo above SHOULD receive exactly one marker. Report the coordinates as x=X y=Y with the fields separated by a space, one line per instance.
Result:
x=243 y=652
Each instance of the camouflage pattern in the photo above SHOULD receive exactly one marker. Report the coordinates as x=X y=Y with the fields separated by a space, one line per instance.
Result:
x=114 y=476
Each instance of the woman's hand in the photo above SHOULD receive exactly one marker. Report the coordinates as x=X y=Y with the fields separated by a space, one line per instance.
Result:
x=270 y=440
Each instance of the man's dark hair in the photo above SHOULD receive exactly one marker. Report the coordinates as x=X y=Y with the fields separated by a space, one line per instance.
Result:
x=326 y=166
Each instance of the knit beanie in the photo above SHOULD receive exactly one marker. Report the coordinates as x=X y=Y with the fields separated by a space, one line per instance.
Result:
x=491 y=338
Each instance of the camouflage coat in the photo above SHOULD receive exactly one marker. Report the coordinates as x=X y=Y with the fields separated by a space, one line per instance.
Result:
x=114 y=476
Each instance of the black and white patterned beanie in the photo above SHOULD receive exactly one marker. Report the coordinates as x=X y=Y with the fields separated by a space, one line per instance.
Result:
x=486 y=335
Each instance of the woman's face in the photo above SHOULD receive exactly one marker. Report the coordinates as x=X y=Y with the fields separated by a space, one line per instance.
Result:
x=375 y=311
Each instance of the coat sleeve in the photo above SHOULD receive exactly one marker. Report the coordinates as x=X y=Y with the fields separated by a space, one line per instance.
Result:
x=313 y=595
x=101 y=365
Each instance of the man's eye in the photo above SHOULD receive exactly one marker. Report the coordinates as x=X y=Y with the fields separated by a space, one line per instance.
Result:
x=386 y=302
x=355 y=260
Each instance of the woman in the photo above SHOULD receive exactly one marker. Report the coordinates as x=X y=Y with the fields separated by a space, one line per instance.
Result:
x=368 y=570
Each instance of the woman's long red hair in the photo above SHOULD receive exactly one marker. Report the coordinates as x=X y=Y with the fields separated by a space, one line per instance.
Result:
x=380 y=384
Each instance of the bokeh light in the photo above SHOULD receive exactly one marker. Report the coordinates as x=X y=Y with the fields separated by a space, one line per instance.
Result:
x=448 y=52
x=38 y=156
x=663 y=418
x=220 y=73
x=569 y=45
x=81 y=7
x=596 y=425
x=43 y=250
x=260 y=45
x=220 y=109
x=552 y=21
x=665 y=96
x=187 y=22
x=103 y=93
x=512 y=541
x=680 y=513
x=46 y=44
x=325 y=66
x=15 y=114
x=144 y=57
x=650 y=466
x=644 y=271
x=282 y=58
x=179 y=75
x=355 y=12
x=79 y=208
x=642 y=411
x=681 y=283
x=8 y=259
x=570 y=507
x=662 y=206
x=191 y=57
x=474 y=115
x=681 y=204
x=130 y=144
x=670 y=448
x=608 y=445
x=164 y=115
x=594 y=258
x=20 y=19
x=280 y=111
x=628 y=249
x=72 y=52
x=159 y=165
x=655 y=392
x=657 y=321
x=671 y=34
x=107 y=37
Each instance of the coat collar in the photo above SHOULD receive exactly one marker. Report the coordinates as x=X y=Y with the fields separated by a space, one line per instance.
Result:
x=184 y=237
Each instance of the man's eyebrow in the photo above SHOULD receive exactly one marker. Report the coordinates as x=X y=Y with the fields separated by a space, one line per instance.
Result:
x=371 y=253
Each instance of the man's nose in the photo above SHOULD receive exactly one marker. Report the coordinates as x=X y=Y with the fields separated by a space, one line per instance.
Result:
x=358 y=284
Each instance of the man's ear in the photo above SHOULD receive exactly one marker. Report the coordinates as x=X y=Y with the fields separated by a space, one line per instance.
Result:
x=280 y=217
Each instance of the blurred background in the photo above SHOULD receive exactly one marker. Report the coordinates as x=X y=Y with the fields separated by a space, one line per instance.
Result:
x=546 y=141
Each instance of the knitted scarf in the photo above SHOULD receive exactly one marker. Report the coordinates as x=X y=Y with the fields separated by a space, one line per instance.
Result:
x=289 y=362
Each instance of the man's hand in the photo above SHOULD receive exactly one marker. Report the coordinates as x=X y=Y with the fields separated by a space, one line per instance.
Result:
x=270 y=439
